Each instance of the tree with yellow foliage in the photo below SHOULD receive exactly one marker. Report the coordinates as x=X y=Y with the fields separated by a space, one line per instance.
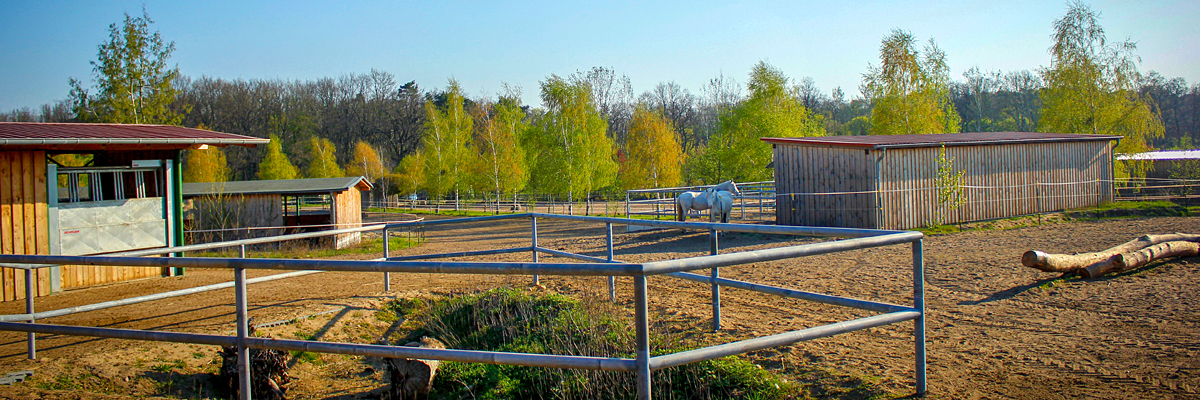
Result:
x=205 y=165
x=654 y=156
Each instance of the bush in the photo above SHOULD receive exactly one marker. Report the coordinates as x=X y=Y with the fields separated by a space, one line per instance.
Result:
x=515 y=321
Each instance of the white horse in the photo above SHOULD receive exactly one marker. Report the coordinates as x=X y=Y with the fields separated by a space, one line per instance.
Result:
x=720 y=203
x=687 y=202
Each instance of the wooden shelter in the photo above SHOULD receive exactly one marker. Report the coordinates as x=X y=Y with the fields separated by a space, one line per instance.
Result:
x=892 y=182
x=126 y=197
x=260 y=208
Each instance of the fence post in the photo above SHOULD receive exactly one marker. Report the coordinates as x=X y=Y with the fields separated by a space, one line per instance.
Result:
x=626 y=204
x=533 y=234
x=714 y=249
x=387 y=276
x=918 y=254
x=243 y=328
x=29 y=295
x=642 y=327
x=612 y=280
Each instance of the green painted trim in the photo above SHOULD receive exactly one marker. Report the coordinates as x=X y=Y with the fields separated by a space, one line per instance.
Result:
x=177 y=178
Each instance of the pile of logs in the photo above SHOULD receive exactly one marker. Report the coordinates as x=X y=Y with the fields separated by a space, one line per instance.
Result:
x=269 y=372
x=411 y=379
x=1130 y=255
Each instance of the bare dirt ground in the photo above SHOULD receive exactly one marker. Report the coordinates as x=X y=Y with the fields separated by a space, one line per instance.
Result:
x=995 y=329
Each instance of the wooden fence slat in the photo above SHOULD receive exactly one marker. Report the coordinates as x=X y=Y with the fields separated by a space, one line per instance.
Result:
x=6 y=231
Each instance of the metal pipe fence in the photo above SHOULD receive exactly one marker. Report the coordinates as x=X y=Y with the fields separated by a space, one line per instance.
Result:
x=756 y=202
x=642 y=364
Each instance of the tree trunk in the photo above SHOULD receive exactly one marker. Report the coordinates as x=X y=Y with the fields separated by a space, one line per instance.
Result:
x=1129 y=261
x=1072 y=262
x=411 y=379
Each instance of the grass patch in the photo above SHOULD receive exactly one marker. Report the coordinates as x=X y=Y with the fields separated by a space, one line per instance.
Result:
x=516 y=321
x=938 y=230
x=86 y=382
x=167 y=367
x=307 y=357
x=368 y=246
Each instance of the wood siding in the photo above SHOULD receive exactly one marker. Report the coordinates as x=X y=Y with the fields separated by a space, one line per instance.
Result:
x=24 y=221
x=1001 y=181
x=347 y=213
x=804 y=187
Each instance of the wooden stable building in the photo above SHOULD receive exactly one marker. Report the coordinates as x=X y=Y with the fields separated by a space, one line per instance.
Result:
x=891 y=182
x=124 y=197
x=230 y=210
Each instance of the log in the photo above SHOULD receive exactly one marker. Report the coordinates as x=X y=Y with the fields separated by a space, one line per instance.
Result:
x=411 y=379
x=1126 y=262
x=1073 y=262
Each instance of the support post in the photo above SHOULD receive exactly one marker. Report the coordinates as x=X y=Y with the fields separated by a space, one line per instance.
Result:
x=612 y=280
x=919 y=304
x=387 y=276
x=714 y=249
x=642 y=326
x=533 y=234
x=626 y=204
x=243 y=328
x=29 y=295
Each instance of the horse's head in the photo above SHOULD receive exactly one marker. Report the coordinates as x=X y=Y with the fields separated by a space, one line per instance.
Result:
x=730 y=187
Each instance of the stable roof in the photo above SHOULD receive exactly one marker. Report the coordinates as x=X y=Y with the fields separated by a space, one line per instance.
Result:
x=71 y=136
x=937 y=140
x=1162 y=155
x=278 y=186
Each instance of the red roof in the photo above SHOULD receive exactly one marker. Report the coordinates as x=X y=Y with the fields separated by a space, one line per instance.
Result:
x=67 y=135
x=935 y=140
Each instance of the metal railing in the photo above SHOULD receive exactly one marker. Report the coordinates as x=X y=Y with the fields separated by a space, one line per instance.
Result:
x=642 y=364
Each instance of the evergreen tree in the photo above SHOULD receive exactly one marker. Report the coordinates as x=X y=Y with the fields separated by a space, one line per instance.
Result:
x=275 y=164
x=133 y=82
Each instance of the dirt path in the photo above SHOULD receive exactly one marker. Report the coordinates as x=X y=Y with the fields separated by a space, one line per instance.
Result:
x=996 y=329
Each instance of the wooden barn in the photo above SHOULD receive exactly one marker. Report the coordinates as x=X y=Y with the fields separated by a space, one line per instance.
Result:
x=119 y=191
x=891 y=182
x=229 y=210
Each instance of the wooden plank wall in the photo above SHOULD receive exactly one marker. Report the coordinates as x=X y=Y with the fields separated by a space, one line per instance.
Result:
x=24 y=222
x=1015 y=179
x=347 y=213
x=806 y=177
x=1020 y=179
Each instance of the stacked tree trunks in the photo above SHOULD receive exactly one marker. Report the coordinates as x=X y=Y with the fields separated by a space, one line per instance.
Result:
x=1127 y=256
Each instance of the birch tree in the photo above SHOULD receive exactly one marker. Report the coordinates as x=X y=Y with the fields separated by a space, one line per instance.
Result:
x=500 y=167
x=322 y=162
x=773 y=109
x=566 y=146
x=444 y=145
x=1091 y=87
x=910 y=89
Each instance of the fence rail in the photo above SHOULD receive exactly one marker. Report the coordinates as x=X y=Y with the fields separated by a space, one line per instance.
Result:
x=641 y=364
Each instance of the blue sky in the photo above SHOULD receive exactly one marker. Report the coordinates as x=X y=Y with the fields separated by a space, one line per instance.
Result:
x=483 y=44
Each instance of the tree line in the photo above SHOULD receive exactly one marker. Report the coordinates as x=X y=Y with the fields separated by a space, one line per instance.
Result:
x=593 y=134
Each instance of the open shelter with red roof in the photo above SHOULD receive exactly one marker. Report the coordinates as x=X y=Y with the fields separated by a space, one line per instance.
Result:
x=125 y=196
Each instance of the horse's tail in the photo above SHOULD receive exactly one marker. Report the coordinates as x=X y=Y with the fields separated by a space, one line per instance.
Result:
x=679 y=215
